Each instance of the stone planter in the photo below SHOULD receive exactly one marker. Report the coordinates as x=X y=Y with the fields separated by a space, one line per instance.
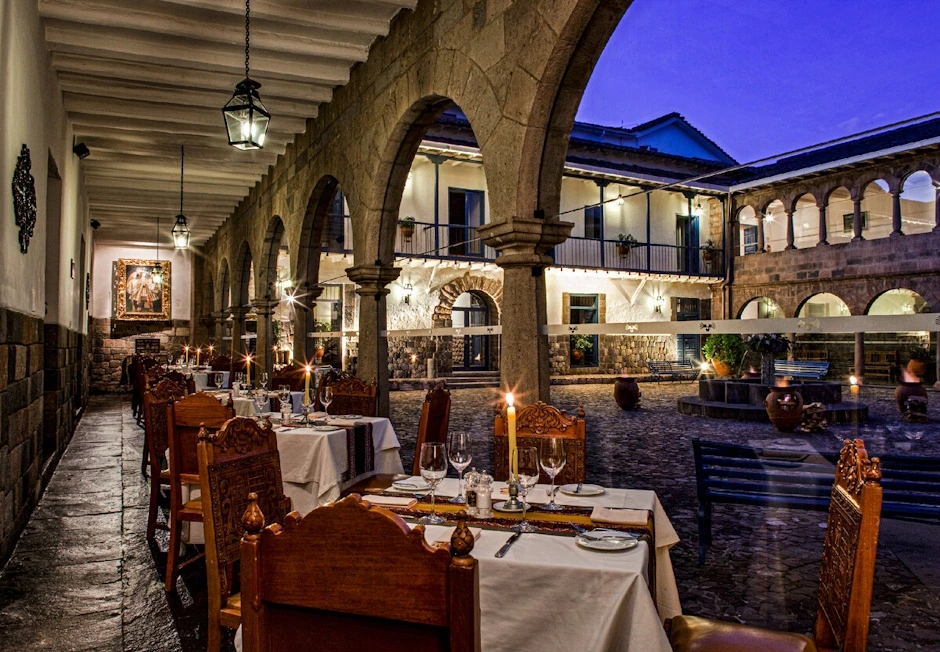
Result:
x=626 y=392
x=905 y=391
x=767 y=368
x=785 y=408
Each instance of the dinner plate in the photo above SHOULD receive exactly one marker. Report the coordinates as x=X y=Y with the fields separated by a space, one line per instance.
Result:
x=606 y=540
x=411 y=485
x=322 y=428
x=347 y=416
x=586 y=490
x=500 y=507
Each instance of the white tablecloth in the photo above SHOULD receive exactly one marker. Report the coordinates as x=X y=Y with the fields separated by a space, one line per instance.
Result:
x=201 y=379
x=245 y=407
x=549 y=594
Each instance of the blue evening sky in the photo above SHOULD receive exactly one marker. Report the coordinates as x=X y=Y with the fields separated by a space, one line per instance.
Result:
x=762 y=77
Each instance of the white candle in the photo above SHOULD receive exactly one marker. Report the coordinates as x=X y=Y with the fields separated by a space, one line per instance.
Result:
x=511 y=419
x=307 y=385
x=248 y=371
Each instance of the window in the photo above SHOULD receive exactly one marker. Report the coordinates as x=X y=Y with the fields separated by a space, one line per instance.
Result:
x=593 y=220
x=465 y=212
x=583 y=348
x=749 y=238
x=848 y=222
x=333 y=230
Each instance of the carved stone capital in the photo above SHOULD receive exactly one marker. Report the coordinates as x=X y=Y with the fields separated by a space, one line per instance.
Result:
x=524 y=242
x=373 y=280
x=238 y=312
x=264 y=307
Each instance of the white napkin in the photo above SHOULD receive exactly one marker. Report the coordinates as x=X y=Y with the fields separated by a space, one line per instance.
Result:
x=391 y=501
x=635 y=517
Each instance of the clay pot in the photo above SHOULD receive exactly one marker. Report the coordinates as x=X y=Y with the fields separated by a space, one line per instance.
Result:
x=906 y=390
x=917 y=368
x=721 y=368
x=626 y=392
x=623 y=250
x=785 y=408
x=577 y=355
x=407 y=230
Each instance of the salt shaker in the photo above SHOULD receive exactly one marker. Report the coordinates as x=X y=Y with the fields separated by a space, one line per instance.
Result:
x=471 y=482
x=485 y=495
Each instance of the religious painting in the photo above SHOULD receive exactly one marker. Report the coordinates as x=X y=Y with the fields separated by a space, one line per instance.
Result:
x=143 y=290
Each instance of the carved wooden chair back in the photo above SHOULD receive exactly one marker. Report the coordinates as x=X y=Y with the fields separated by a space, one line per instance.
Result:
x=848 y=566
x=534 y=424
x=428 y=598
x=184 y=420
x=220 y=363
x=435 y=419
x=350 y=394
x=156 y=440
x=240 y=458
x=292 y=375
x=181 y=379
x=138 y=377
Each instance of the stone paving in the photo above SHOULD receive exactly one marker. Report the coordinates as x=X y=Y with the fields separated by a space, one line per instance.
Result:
x=84 y=577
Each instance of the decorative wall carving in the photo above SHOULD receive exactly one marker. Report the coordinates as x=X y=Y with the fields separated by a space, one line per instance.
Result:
x=24 y=198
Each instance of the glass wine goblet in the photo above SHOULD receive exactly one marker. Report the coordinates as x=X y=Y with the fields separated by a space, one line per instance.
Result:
x=264 y=380
x=217 y=380
x=327 y=398
x=552 y=460
x=433 y=469
x=460 y=454
x=261 y=402
x=527 y=475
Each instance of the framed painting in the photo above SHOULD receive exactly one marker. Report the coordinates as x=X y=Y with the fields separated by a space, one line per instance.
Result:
x=143 y=290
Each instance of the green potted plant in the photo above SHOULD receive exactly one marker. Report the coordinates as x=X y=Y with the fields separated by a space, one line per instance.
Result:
x=581 y=344
x=407 y=227
x=767 y=345
x=625 y=244
x=321 y=327
x=725 y=351
x=920 y=358
x=710 y=252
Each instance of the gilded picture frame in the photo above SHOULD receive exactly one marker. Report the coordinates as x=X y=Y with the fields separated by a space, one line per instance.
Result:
x=139 y=296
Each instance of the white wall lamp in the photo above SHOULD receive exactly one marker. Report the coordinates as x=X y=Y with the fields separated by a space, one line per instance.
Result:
x=659 y=303
x=408 y=290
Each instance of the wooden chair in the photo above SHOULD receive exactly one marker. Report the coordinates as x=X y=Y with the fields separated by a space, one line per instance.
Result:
x=156 y=443
x=292 y=375
x=239 y=459
x=845 y=578
x=141 y=365
x=171 y=388
x=185 y=419
x=350 y=394
x=534 y=424
x=350 y=576
x=435 y=418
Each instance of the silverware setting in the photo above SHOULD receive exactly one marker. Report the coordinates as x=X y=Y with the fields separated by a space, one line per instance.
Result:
x=578 y=488
x=506 y=546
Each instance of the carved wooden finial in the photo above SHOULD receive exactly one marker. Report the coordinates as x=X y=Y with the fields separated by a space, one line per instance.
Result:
x=854 y=468
x=461 y=541
x=204 y=434
x=581 y=411
x=253 y=520
x=231 y=400
x=266 y=423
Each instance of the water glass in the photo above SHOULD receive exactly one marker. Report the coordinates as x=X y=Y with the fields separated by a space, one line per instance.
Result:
x=433 y=469
x=460 y=454
x=264 y=380
x=527 y=475
x=552 y=460
x=327 y=398
x=218 y=381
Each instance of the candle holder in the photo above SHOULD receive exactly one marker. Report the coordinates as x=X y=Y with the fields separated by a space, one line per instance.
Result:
x=513 y=504
x=305 y=409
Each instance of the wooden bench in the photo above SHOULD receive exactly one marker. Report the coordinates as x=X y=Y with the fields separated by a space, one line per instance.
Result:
x=671 y=370
x=814 y=369
x=742 y=475
x=883 y=364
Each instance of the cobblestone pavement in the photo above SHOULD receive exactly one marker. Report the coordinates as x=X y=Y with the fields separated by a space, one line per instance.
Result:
x=84 y=577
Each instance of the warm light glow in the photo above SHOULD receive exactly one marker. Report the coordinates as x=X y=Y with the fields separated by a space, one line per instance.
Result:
x=704 y=366
x=853 y=380
x=768 y=217
x=186 y=348
x=414 y=358
x=509 y=399
x=307 y=369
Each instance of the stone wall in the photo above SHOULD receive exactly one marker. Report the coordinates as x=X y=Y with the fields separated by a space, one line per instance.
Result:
x=616 y=354
x=111 y=345
x=400 y=350
x=65 y=385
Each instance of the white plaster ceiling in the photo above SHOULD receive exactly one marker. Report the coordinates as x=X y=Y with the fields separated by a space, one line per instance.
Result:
x=139 y=78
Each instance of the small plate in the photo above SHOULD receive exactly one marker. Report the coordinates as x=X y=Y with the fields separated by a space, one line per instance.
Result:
x=500 y=507
x=411 y=485
x=606 y=540
x=322 y=428
x=349 y=416
x=586 y=490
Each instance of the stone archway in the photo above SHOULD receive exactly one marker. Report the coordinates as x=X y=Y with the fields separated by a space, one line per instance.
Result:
x=492 y=293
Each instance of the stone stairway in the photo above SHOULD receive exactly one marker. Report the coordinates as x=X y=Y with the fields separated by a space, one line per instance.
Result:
x=472 y=379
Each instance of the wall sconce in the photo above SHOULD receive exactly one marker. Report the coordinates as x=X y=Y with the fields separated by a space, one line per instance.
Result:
x=620 y=200
x=659 y=303
x=81 y=150
x=408 y=290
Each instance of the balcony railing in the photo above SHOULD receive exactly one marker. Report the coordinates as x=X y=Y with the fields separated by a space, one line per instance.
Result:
x=452 y=242
x=590 y=253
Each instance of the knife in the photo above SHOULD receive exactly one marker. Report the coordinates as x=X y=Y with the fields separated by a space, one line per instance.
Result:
x=506 y=546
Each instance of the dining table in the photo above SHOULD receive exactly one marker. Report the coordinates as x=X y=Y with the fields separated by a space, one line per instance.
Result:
x=202 y=380
x=550 y=592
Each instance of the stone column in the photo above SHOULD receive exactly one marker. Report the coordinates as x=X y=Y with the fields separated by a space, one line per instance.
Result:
x=896 y=213
x=857 y=221
x=218 y=331
x=237 y=351
x=373 y=281
x=936 y=205
x=304 y=314
x=761 y=245
x=790 y=236
x=860 y=357
x=937 y=368
x=823 y=226
x=523 y=245
x=264 y=352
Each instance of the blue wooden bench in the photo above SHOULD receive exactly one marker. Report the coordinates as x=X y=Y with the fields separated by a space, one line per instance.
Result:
x=742 y=475
x=671 y=370
x=815 y=369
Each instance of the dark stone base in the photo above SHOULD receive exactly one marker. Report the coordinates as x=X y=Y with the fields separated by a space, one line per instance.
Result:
x=696 y=407
x=749 y=391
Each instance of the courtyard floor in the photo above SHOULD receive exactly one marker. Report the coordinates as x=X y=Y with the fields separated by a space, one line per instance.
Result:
x=84 y=576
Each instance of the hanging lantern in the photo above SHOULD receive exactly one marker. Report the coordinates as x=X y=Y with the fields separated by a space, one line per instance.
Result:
x=181 y=234
x=246 y=119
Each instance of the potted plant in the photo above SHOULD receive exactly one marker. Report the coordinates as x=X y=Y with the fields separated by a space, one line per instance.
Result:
x=581 y=344
x=710 y=252
x=767 y=345
x=725 y=351
x=625 y=244
x=920 y=358
x=321 y=327
x=407 y=227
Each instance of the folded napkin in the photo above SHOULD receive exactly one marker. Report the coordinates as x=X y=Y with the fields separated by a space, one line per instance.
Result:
x=444 y=538
x=391 y=501
x=620 y=516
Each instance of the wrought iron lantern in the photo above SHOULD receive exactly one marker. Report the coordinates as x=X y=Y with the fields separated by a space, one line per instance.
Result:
x=181 y=234
x=246 y=119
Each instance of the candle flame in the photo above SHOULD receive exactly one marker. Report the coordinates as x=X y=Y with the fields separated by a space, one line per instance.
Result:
x=509 y=399
x=853 y=380
x=307 y=369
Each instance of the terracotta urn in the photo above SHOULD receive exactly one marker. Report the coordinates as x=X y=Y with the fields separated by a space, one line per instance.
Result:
x=905 y=391
x=721 y=368
x=626 y=392
x=785 y=408
x=917 y=367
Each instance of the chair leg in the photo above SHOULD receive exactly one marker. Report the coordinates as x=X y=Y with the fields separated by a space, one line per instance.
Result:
x=214 y=643
x=145 y=455
x=152 y=515
x=704 y=531
x=173 y=552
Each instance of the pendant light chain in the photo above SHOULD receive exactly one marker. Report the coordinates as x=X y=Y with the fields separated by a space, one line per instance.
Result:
x=247 y=33
x=182 y=166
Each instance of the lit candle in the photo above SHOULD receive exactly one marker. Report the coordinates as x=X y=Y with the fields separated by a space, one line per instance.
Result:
x=307 y=385
x=511 y=419
x=211 y=349
x=198 y=351
x=853 y=382
x=186 y=353
x=248 y=370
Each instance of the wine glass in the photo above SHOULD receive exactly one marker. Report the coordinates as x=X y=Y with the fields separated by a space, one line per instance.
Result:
x=327 y=398
x=264 y=380
x=460 y=454
x=217 y=379
x=433 y=470
x=552 y=460
x=527 y=475
x=261 y=402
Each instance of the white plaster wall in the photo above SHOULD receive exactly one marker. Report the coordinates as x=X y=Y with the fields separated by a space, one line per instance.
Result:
x=181 y=276
x=418 y=196
x=32 y=113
